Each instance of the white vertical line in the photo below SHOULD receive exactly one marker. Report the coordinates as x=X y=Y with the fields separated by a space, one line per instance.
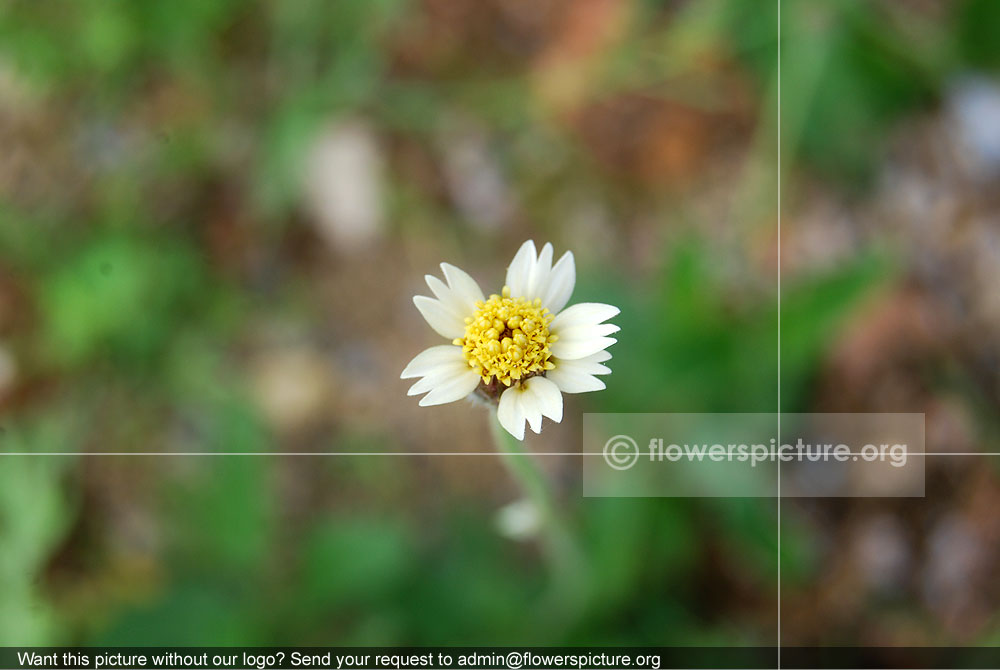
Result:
x=779 y=329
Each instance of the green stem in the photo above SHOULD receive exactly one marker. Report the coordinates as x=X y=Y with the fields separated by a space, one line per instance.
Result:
x=565 y=560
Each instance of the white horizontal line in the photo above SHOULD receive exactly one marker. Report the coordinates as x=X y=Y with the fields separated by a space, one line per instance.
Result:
x=271 y=453
x=706 y=458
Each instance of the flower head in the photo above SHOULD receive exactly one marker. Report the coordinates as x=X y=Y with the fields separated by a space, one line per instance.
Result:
x=518 y=348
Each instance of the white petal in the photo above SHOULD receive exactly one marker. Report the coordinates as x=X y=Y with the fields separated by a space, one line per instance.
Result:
x=519 y=270
x=583 y=314
x=571 y=381
x=595 y=368
x=461 y=292
x=588 y=331
x=547 y=396
x=423 y=385
x=599 y=357
x=562 y=279
x=532 y=408
x=539 y=280
x=529 y=401
x=444 y=372
x=455 y=388
x=447 y=297
x=438 y=377
x=428 y=360
x=578 y=376
x=588 y=364
x=573 y=349
x=463 y=286
x=580 y=330
x=444 y=320
x=510 y=414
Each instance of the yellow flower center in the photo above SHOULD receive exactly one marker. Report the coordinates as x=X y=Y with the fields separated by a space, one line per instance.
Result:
x=508 y=338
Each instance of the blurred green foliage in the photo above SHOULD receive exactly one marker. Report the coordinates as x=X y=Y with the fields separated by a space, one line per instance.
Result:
x=35 y=512
x=850 y=70
x=975 y=37
x=110 y=296
x=681 y=339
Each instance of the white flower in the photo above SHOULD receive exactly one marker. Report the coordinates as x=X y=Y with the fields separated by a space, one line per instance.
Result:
x=520 y=348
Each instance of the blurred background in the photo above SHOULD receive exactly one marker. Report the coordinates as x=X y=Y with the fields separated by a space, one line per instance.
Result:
x=213 y=217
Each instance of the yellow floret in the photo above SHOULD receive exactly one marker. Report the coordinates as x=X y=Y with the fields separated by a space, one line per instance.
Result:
x=507 y=338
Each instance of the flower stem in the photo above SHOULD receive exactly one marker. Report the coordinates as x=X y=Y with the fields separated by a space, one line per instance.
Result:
x=566 y=562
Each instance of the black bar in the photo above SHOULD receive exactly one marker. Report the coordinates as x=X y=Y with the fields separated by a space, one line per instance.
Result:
x=493 y=658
